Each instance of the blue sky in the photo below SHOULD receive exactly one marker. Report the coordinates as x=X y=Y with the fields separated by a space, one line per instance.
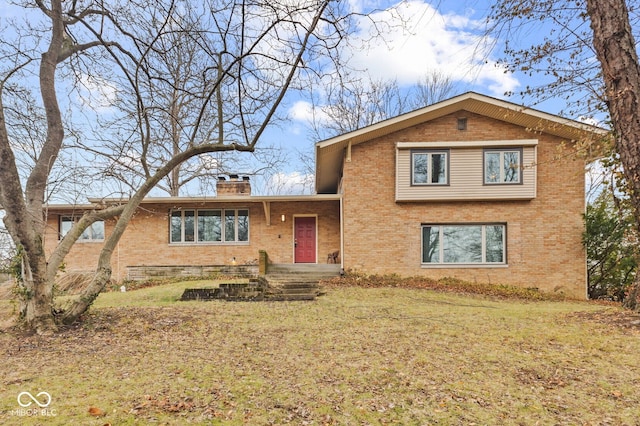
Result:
x=439 y=35
x=434 y=37
x=444 y=36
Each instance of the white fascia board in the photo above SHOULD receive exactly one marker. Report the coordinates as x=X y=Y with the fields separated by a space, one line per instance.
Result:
x=467 y=144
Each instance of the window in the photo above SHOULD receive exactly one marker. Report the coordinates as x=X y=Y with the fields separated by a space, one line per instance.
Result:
x=94 y=232
x=209 y=226
x=463 y=244
x=502 y=166
x=429 y=167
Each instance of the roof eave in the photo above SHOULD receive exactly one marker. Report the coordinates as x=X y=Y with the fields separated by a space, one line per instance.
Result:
x=328 y=151
x=102 y=202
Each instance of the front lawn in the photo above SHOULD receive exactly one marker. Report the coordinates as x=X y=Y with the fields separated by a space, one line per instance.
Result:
x=355 y=356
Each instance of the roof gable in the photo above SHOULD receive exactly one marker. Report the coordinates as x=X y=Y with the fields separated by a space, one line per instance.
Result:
x=330 y=152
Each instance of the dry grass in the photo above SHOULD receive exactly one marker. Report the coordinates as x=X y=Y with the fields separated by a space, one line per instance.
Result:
x=355 y=356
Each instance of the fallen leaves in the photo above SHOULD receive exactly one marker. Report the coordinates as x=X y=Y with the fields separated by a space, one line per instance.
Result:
x=96 y=412
x=447 y=284
x=617 y=318
x=356 y=356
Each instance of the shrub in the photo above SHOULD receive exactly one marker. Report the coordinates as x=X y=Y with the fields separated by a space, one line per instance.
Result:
x=611 y=243
x=359 y=279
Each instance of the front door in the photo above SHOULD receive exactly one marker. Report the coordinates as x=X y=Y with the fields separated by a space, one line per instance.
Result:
x=305 y=239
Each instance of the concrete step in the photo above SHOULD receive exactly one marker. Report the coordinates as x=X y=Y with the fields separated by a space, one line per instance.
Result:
x=283 y=282
x=292 y=288
x=290 y=297
x=295 y=285
x=297 y=281
x=328 y=270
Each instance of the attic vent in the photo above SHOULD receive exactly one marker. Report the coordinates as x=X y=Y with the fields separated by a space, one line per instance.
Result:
x=462 y=123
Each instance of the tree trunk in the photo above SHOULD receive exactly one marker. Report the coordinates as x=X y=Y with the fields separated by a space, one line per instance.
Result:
x=616 y=50
x=25 y=213
x=36 y=301
x=37 y=309
x=89 y=294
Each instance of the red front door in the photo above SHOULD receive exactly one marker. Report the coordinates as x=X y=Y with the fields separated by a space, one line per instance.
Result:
x=305 y=239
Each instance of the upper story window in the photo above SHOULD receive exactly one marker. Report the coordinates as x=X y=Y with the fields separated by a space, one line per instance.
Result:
x=94 y=232
x=503 y=166
x=430 y=167
x=209 y=226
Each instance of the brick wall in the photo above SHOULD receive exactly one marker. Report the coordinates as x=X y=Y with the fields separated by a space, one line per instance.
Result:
x=146 y=240
x=234 y=186
x=544 y=247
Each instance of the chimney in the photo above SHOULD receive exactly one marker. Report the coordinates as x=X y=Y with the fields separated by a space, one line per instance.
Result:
x=233 y=186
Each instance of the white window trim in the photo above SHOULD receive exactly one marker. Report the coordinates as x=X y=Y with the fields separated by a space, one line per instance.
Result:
x=195 y=241
x=483 y=264
x=430 y=153
x=502 y=151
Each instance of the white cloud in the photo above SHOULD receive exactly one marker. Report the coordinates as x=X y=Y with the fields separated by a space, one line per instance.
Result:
x=97 y=93
x=292 y=183
x=418 y=39
x=423 y=39
x=305 y=112
x=592 y=121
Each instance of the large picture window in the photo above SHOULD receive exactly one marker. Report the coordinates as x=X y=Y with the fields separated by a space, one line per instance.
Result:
x=463 y=244
x=502 y=166
x=94 y=232
x=429 y=167
x=209 y=226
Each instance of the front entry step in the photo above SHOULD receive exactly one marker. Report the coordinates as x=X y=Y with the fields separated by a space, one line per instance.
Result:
x=292 y=290
x=256 y=290
x=283 y=282
x=299 y=281
x=328 y=270
x=250 y=291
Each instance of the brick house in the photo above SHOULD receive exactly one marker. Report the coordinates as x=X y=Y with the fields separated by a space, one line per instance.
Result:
x=471 y=187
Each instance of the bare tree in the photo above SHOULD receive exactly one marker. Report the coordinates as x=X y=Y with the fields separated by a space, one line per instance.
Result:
x=561 y=57
x=185 y=71
x=7 y=250
x=615 y=48
x=590 y=57
x=253 y=54
x=434 y=86
x=350 y=101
